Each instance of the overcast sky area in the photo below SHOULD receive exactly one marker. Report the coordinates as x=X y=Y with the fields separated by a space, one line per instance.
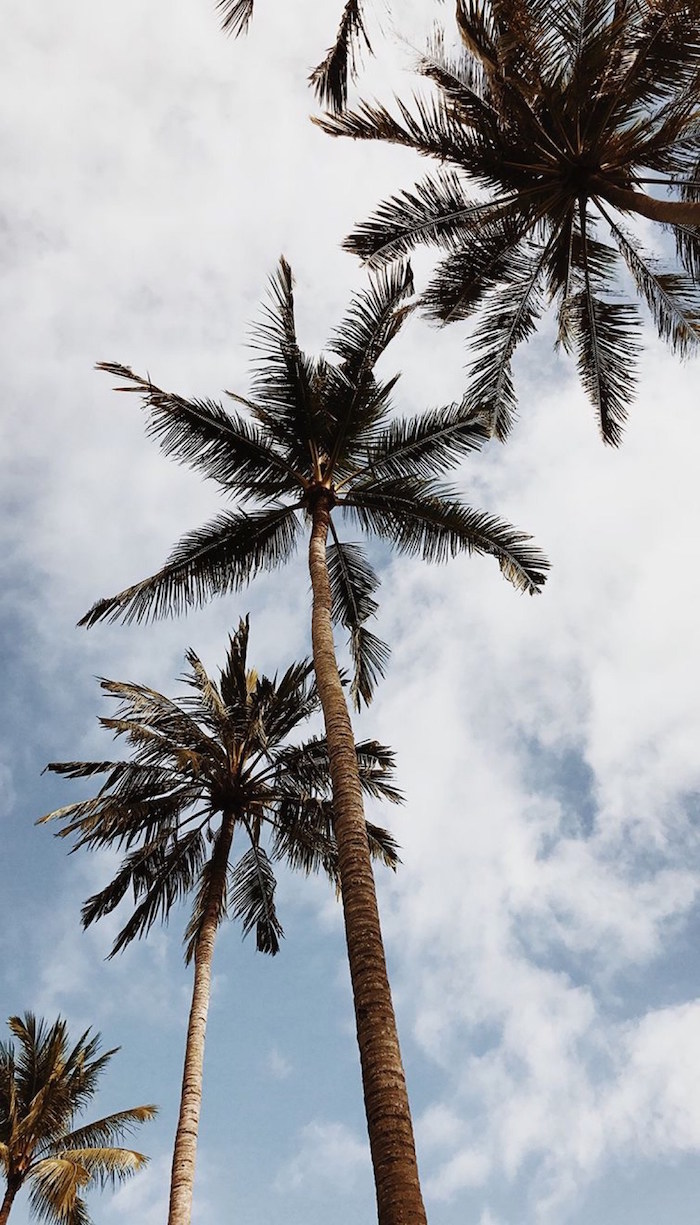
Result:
x=542 y=932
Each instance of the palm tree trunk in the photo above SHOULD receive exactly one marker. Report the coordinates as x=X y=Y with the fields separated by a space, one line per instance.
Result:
x=8 y=1199
x=185 y=1151
x=399 y=1200
x=668 y=212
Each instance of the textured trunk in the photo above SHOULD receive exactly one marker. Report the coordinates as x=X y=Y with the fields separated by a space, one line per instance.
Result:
x=669 y=212
x=399 y=1200
x=185 y=1151
x=12 y=1188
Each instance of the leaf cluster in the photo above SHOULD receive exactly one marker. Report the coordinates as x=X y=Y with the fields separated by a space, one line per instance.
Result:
x=552 y=118
x=203 y=770
x=44 y=1084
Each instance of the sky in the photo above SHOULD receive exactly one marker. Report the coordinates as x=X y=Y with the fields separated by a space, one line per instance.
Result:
x=542 y=931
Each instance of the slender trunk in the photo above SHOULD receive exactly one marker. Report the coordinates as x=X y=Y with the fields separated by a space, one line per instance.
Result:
x=13 y=1187
x=185 y=1151
x=669 y=212
x=399 y=1200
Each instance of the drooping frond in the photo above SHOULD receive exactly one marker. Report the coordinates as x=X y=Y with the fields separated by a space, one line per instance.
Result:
x=603 y=335
x=161 y=873
x=252 y=899
x=509 y=317
x=673 y=299
x=382 y=846
x=425 y=520
x=235 y=15
x=218 y=558
x=330 y=78
x=353 y=583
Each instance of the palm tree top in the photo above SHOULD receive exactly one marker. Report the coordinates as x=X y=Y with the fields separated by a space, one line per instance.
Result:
x=319 y=430
x=45 y=1082
x=220 y=748
x=562 y=115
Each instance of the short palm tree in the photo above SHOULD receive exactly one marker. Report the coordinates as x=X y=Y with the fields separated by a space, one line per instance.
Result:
x=316 y=442
x=44 y=1084
x=330 y=78
x=562 y=113
x=203 y=768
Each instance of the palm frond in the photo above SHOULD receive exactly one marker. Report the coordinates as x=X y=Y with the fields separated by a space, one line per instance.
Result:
x=436 y=211
x=353 y=583
x=674 y=300
x=103 y=1131
x=374 y=318
x=509 y=318
x=382 y=846
x=200 y=434
x=423 y=446
x=604 y=335
x=162 y=873
x=284 y=377
x=330 y=78
x=218 y=558
x=252 y=899
x=426 y=520
x=235 y=15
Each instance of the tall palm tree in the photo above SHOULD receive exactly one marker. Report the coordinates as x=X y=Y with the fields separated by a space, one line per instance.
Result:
x=44 y=1084
x=330 y=78
x=562 y=113
x=317 y=441
x=203 y=768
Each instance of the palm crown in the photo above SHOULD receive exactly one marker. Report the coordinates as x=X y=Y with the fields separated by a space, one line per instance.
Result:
x=44 y=1084
x=219 y=753
x=559 y=113
x=320 y=429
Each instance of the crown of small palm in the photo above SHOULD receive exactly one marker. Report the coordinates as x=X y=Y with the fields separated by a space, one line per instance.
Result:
x=557 y=111
x=44 y=1084
x=220 y=750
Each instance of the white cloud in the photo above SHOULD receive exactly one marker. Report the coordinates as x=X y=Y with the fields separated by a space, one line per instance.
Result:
x=328 y=1155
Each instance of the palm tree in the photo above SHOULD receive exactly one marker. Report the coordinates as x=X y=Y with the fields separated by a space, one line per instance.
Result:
x=201 y=768
x=330 y=78
x=44 y=1084
x=562 y=113
x=317 y=441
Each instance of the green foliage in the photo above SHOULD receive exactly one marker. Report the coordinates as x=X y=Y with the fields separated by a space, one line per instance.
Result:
x=44 y=1084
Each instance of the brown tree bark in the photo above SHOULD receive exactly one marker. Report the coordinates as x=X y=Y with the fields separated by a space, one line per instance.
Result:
x=185 y=1150
x=399 y=1200
x=8 y=1199
x=669 y=212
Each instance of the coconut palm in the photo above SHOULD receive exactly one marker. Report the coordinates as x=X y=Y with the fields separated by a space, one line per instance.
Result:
x=562 y=114
x=330 y=78
x=316 y=442
x=44 y=1084
x=204 y=768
